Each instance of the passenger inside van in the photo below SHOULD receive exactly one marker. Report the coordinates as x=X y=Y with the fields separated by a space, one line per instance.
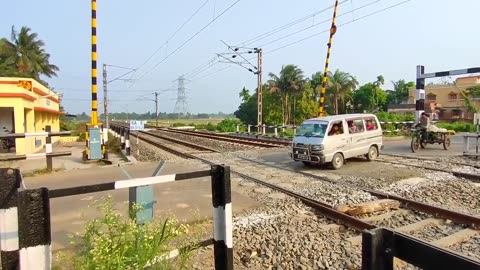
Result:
x=370 y=125
x=335 y=130
x=352 y=128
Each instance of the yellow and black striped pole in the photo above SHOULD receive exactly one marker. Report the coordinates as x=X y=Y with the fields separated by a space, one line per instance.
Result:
x=94 y=64
x=333 y=30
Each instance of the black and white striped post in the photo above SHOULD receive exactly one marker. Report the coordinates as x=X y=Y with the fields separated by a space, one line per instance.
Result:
x=122 y=137
x=48 y=148
x=222 y=217
x=25 y=236
x=35 y=233
x=127 y=142
x=9 y=243
x=419 y=93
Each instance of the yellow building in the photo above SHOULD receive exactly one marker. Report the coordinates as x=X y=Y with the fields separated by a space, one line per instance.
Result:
x=28 y=106
x=444 y=102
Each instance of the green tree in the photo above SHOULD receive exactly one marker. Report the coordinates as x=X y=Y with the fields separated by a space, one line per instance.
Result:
x=306 y=105
x=400 y=91
x=369 y=97
x=468 y=95
x=340 y=87
x=247 y=111
x=316 y=83
x=289 y=84
x=23 y=55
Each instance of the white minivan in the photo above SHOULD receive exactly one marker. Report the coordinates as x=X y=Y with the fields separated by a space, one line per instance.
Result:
x=333 y=139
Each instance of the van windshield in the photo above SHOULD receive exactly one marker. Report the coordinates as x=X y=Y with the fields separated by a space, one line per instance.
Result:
x=312 y=130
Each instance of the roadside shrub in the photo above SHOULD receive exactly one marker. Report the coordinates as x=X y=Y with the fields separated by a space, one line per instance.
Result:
x=179 y=125
x=458 y=126
x=228 y=125
x=115 y=242
x=211 y=127
x=113 y=144
x=394 y=117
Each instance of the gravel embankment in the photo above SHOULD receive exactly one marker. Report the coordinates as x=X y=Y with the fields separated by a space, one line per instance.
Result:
x=284 y=234
x=212 y=143
x=471 y=247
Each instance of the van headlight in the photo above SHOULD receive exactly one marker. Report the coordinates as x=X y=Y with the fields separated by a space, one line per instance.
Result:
x=317 y=147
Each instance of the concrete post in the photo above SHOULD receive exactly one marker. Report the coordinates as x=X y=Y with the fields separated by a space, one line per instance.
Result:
x=127 y=142
x=48 y=148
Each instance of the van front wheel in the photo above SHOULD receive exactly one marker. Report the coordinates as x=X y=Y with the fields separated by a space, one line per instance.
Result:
x=372 y=153
x=337 y=161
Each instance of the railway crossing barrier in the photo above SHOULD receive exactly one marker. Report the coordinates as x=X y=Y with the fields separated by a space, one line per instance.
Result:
x=398 y=127
x=381 y=245
x=49 y=154
x=25 y=223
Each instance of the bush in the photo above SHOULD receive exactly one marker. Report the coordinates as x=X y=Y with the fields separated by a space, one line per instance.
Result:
x=211 y=127
x=113 y=144
x=179 y=125
x=228 y=125
x=394 y=117
x=115 y=242
x=457 y=126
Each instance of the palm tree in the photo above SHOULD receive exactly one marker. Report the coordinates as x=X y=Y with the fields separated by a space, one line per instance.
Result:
x=290 y=83
x=24 y=55
x=400 y=90
x=340 y=86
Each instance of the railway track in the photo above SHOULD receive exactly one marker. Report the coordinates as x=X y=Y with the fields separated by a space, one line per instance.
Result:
x=446 y=167
x=465 y=226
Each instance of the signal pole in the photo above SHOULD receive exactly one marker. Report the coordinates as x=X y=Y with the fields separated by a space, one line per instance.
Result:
x=259 y=91
x=156 y=109
x=333 y=30
x=105 y=97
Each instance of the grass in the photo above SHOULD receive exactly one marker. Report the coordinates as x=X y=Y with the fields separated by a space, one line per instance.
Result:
x=41 y=171
x=112 y=241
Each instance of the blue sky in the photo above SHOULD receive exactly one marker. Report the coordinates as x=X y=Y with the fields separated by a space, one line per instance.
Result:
x=441 y=35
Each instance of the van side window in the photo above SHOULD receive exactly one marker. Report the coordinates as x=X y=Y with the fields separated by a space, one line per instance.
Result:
x=355 y=126
x=336 y=128
x=371 y=124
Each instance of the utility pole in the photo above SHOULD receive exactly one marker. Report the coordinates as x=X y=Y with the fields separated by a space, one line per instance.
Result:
x=258 y=72
x=105 y=97
x=259 y=90
x=156 y=109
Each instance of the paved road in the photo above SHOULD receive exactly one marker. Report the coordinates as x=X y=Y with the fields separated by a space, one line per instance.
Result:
x=432 y=150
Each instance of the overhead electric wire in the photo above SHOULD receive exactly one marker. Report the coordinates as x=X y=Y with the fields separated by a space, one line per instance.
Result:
x=188 y=40
x=314 y=35
x=198 y=70
x=285 y=26
x=343 y=24
x=322 y=22
x=173 y=35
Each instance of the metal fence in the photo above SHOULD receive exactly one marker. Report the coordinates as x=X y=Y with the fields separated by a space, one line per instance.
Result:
x=381 y=245
x=49 y=154
x=25 y=227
